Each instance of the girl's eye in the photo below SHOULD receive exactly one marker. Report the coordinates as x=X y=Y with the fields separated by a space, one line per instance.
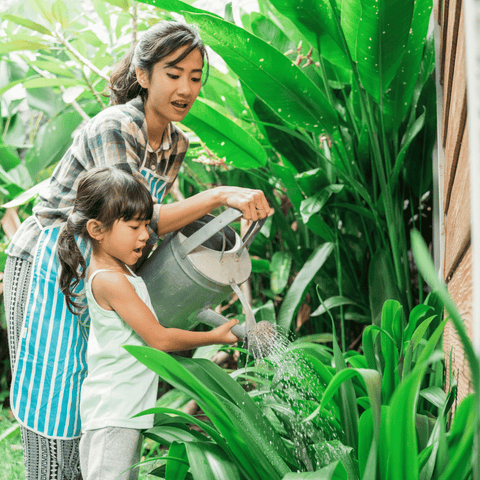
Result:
x=174 y=77
x=196 y=80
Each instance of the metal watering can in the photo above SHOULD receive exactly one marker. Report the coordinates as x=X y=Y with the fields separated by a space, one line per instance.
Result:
x=196 y=268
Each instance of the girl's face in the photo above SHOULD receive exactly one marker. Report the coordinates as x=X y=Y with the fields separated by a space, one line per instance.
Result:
x=172 y=89
x=124 y=241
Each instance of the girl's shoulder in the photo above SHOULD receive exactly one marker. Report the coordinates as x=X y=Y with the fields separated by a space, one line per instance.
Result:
x=110 y=285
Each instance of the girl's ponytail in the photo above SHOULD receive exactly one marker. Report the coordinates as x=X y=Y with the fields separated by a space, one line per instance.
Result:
x=71 y=259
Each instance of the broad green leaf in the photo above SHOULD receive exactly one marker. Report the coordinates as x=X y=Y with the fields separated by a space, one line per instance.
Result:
x=123 y=4
x=435 y=395
x=397 y=100
x=298 y=289
x=382 y=284
x=166 y=435
x=177 y=470
x=315 y=223
x=326 y=473
x=28 y=23
x=19 y=45
x=239 y=426
x=50 y=82
x=224 y=137
x=209 y=462
x=333 y=302
x=313 y=17
x=312 y=205
x=427 y=270
x=409 y=137
x=8 y=157
x=51 y=142
x=58 y=68
x=280 y=270
x=269 y=74
x=381 y=40
x=175 y=6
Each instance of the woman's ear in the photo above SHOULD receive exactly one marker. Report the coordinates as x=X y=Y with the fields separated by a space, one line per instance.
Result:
x=142 y=77
x=95 y=230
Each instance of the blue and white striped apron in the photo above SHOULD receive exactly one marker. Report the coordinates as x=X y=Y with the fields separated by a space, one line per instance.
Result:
x=51 y=360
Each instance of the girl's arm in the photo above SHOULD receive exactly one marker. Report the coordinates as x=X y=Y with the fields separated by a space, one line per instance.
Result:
x=176 y=215
x=113 y=291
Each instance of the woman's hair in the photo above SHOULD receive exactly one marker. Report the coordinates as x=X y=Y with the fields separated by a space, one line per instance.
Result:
x=156 y=43
x=104 y=194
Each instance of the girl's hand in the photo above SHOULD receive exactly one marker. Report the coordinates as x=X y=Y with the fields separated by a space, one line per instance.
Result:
x=251 y=202
x=224 y=333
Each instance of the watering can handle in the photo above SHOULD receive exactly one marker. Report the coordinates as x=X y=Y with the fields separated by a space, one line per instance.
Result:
x=214 y=226
x=214 y=319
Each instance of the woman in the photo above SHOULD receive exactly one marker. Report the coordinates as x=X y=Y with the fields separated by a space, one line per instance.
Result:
x=154 y=85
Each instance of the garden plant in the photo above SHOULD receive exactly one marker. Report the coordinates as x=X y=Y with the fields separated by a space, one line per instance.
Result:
x=329 y=108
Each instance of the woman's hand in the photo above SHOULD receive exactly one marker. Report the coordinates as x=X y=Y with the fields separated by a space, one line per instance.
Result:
x=251 y=202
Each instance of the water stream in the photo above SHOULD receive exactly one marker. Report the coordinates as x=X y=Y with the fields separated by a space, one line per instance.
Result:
x=294 y=392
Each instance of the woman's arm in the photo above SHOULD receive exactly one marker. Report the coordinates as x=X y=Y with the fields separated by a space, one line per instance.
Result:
x=112 y=289
x=176 y=215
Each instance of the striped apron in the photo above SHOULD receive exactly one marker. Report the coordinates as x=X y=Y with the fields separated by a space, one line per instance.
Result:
x=51 y=360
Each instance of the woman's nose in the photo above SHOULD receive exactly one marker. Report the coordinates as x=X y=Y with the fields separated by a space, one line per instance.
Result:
x=184 y=87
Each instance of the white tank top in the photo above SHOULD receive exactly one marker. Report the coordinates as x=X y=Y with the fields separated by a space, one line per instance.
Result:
x=117 y=385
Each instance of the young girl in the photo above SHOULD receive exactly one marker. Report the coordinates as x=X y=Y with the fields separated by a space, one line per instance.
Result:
x=113 y=210
x=153 y=86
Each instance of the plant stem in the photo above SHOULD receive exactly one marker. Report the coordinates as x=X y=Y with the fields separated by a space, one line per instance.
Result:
x=59 y=36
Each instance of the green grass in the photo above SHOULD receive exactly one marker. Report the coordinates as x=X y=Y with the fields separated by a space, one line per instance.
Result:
x=11 y=453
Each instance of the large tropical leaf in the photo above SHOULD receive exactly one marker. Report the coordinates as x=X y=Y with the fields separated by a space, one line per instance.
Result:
x=269 y=74
x=298 y=289
x=224 y=137
x=377 y=34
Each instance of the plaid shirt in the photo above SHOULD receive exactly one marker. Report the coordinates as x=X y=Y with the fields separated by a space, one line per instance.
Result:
x=117 y=136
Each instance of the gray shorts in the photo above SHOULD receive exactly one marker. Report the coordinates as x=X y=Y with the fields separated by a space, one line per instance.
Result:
x=108 y=453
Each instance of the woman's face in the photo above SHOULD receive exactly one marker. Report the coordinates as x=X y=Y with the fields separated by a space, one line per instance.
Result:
x=173 y=89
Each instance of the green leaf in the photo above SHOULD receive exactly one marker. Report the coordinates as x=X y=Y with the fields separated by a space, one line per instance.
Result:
x=28 y=23
x=298 y=289
x=20 y=45
x=280 y=270
x=209 y=462
x=177 y=470
x=333 y=302
x=248 y=434
x=380 y=41
x=382 y=284
x=224 y=137
x=50 y=82
x=312 y=17
x=428 y=272
x=51 y=142
x=313 y=205
x=397 y=100
x=175 y=6
x=269 y=74
x=435 y=395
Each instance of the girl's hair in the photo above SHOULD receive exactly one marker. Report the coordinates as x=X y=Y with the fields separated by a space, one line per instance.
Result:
x=104 y=194
x=159 y=41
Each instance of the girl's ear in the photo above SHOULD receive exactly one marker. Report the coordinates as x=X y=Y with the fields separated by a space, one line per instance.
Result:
x=142 y=77
x=95 y=230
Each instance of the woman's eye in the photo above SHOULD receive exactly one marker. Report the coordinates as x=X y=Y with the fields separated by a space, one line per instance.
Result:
x=174 y=77
x=196 y=80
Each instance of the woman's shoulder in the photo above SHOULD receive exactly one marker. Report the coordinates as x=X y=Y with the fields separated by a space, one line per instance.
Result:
x=129 y=115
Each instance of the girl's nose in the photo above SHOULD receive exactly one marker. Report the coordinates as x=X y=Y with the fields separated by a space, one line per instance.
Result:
x=144 y=234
